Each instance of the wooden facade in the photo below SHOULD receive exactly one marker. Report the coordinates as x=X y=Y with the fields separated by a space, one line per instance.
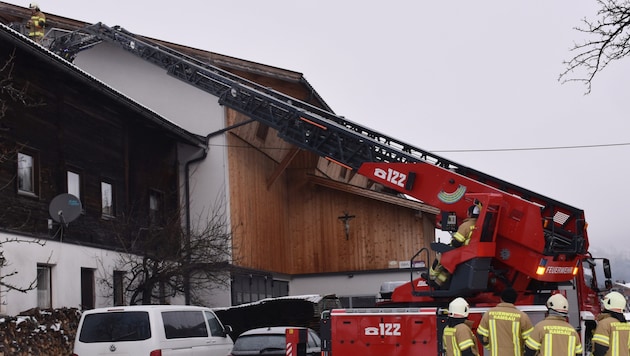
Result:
x=67 y=121
x=288 y=207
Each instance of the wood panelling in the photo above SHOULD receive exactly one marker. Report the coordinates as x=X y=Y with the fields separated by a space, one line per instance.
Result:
x=294 y=227
x=81 y=128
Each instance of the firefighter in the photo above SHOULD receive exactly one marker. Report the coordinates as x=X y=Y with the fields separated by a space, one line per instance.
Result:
x=612 y=334
x=36 y=23
x=438 y=275
x=504 y=328
x=554 y=335
x=458 y=338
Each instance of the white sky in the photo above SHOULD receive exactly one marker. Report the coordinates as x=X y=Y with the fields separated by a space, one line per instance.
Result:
x=440 y=75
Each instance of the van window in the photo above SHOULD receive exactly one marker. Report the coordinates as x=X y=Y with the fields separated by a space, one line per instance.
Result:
x=181 y=324
x=215 y=327
x=108 y=327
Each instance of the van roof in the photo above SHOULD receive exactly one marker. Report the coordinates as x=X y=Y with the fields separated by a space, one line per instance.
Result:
x=145 y=308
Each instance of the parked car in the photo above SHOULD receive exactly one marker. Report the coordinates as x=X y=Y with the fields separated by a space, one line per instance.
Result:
x=271 y=341
x=152 y=330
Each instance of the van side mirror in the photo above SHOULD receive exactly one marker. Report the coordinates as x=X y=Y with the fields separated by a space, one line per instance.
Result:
x=227 y=330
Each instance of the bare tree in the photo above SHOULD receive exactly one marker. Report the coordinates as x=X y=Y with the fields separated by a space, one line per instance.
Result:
x=611 y=36
x=165 y=261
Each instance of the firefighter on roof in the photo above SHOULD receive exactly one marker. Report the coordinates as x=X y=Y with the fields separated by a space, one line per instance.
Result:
x=36 y=23
x=504 y=328
x=458 y=338
x=612 y=334
x=554 y=335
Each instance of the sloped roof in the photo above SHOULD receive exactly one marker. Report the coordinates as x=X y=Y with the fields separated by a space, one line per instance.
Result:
x=26 y=44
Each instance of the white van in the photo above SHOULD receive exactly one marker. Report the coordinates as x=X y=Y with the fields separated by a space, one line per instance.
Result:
x=152 y=330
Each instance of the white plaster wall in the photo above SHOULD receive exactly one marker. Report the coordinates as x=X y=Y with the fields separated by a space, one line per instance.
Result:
x=150 y=85
x=348 y=285
x=66 y=261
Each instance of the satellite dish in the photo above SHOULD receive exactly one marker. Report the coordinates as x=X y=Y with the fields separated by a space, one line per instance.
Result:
x=65 y=208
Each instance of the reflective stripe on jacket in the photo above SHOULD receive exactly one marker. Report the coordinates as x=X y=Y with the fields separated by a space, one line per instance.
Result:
x=459 y=338
x=505 y=329
x=613 y=334
x=464 y=231
x=37 y=23
x=553 y=336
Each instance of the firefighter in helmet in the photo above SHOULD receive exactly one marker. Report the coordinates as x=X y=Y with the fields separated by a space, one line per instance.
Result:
x=554 y=335
x=36 y=23
x=612 y=334
x=458 y=338
x=438 y=276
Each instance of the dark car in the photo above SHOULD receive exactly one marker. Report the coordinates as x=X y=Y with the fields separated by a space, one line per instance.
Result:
x=271 y=341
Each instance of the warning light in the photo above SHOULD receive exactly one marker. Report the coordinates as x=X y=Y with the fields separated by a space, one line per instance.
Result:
x=575 y=271
x=540 y=270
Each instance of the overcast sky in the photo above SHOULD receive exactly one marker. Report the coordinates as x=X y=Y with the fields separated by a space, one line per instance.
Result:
x=445 y=76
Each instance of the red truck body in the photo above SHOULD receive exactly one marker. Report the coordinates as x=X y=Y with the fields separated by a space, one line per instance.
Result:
x=536 y=246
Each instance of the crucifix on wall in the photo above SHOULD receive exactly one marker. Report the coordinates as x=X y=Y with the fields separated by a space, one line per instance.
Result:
x=345 y=218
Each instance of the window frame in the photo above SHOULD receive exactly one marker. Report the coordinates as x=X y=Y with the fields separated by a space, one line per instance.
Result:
x=78 y=190
x=34 y=172
x=156 y=216
x=47 y=269
x=118 y=287
x=112 y=213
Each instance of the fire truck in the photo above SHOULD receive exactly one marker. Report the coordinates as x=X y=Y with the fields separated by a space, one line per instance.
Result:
x=536 y=245
x=523 y=239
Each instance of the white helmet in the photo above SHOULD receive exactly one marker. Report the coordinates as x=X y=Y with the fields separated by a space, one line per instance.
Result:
x=458 y=308
x=33 y=5
x=614 y=301
x=558 y=303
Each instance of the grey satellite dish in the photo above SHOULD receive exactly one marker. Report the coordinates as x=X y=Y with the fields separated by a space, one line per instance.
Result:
x=65 y=208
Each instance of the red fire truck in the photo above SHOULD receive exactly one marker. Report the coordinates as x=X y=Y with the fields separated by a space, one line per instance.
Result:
x=536 y=246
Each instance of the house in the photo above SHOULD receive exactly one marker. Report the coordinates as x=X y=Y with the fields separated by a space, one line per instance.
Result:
x=300 y=224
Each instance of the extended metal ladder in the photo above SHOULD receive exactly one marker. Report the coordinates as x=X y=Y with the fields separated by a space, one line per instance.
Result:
x=309 y=127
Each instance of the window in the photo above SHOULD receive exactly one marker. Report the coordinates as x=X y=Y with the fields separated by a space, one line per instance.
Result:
x=107 y=200
x=27 y=173
x=215 y=326
x=181 y=324
x=251 y=287
x=44 y=290
x=115 y=327
x=74 y=184
x=156 y=209
x=119 y=296
x=87 y=288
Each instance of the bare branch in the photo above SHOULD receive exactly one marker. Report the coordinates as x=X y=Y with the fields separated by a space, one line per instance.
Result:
x=612 y=36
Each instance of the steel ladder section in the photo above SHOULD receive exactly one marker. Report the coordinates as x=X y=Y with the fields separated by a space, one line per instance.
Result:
x=318 y=130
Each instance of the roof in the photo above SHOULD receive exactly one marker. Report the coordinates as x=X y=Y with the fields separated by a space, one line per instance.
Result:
x=129 y=308
x=70 y=69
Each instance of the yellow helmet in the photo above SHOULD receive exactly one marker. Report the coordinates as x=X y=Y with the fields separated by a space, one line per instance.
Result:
x=614 y=301
x=558 y=303
x=458 y=308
